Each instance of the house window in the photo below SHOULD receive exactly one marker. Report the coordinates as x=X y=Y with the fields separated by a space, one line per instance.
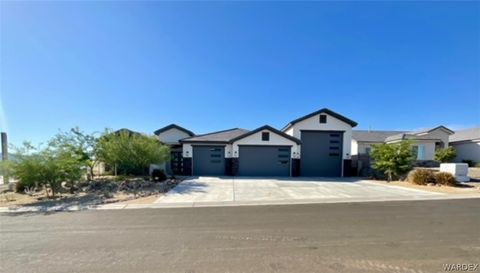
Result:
x=323 y=118
x=265 y=136
x=419 y=152
x=368 y=150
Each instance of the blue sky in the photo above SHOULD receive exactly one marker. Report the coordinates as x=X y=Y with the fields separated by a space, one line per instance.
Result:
x=216 y=65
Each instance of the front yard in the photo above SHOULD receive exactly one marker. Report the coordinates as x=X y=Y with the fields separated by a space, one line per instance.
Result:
x=102 y=190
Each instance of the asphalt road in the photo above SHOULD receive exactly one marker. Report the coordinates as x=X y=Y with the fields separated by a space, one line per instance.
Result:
x=413 y=236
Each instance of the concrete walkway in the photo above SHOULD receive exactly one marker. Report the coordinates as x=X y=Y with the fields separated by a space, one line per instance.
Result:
x=214 y=191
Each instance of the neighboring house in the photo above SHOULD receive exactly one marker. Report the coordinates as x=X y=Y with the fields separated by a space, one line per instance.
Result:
x=170 y=135
x=425 y=143
x=317 y=144
x=362 y=140
x=467 y=144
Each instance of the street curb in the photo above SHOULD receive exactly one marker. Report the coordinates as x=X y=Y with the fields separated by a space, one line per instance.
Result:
x=225 y=204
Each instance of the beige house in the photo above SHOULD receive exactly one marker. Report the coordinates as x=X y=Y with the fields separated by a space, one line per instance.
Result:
x=425 y=143
x=467 y=145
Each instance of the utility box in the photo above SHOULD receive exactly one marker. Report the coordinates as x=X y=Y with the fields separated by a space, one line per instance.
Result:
x=459 y=170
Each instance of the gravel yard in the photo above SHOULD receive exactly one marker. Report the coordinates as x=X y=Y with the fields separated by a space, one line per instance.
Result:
x=100 y=191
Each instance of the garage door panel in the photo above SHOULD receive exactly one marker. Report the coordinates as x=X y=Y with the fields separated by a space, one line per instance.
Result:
x=208 y=160
x=264 y=161
x=321 y=153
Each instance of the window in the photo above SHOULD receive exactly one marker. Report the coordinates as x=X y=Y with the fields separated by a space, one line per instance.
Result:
x=265 y=136
x=215 y=161
x=334 y=148
x=283 y=162
x=334 y=135
x=368 y=150
x=283 y=149
x=334 y=141
x=215 y=155
x=323 y=118
x=419 y=152
x=334 y=154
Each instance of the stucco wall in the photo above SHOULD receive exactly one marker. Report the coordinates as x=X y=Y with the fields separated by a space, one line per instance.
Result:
x=333 y=124
x=362 y=147
x=187 y=149
x=275 y=140
x=429 y=148
x=172 y=136
x=467 y=151
x=439 y=134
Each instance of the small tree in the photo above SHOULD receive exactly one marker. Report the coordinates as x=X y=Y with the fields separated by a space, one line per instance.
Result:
x=83 y=145
x=132 y=153
x=392 y=159
x=445 y=155
x=47 y=167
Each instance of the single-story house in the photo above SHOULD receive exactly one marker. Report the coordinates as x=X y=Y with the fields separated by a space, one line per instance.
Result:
x=425 y=143
x=467 y=144
x=317 y=144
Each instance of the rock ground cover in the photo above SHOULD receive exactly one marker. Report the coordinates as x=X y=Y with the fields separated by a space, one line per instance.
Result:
x=102 y=190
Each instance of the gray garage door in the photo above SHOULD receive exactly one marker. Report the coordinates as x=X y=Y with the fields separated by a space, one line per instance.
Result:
x=264 y=161
x=208 y=160
x=321 y=153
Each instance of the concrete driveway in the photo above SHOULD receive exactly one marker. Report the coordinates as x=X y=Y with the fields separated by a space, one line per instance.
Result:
x=224 y=191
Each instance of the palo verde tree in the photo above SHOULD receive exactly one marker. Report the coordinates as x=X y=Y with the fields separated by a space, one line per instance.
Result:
x=132 y=153
x=83 y=145
x=392 y=159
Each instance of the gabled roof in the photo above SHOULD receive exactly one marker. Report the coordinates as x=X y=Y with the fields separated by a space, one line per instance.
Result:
x=224 y=136
x=323 y=110
x=128 y=131
x=409 y=136
x=373 y=136
x=466 y=135
x=426 y=131
x=269 y=128
x=173 y=126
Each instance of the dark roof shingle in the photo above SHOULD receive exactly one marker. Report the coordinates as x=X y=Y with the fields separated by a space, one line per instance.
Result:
x=221 y=136
x=373 y=136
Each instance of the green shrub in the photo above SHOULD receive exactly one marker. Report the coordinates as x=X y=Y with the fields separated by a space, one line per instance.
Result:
x=446 y=179
x=445 y=155
x=158 y=175
x=393 y=160
x=421 y=177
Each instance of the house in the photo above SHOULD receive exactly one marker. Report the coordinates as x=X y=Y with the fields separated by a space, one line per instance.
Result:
x=317 y=144
x=467 y=145
x=171 y=135
x=425 y=143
